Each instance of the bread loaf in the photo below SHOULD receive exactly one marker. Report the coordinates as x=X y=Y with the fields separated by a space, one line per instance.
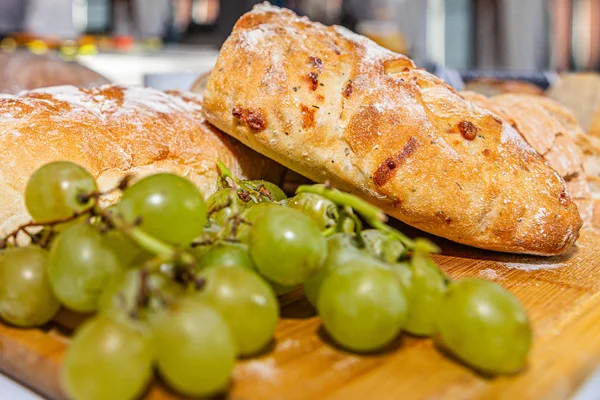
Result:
x=494 y=87
x=333 y=105
x=580 y=92
x=25 y=71
x=113 y=131
x=552 y=130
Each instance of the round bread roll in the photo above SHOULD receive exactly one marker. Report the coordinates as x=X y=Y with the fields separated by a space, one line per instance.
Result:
x=25 y=71
x=113 y=131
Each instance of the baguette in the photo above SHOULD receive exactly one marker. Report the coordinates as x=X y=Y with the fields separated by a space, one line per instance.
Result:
x=113 y=131
x=334 y=106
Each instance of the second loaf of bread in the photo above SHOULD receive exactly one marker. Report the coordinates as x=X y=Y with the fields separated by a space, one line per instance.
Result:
x=113 y=131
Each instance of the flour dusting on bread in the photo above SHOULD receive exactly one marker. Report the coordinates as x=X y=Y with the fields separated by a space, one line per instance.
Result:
x=112 y=131
x=335 y=106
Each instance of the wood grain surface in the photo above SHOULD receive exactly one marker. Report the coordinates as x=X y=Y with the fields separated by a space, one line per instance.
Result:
x=561 y=294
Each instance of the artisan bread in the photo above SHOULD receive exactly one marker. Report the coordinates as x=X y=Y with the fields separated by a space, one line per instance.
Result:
x=580 y=92
x=334 y=106
x=494 y=87
x=552 y=130
x=113 y=131
x=25 y=71
x=199 y=85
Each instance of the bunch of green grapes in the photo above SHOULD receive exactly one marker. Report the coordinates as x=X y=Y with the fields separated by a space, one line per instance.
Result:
x=182 y=286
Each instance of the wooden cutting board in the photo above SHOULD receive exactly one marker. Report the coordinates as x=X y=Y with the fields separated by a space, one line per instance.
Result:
x=562 y=295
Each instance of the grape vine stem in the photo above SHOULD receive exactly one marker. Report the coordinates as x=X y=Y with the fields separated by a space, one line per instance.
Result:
x=371 y=214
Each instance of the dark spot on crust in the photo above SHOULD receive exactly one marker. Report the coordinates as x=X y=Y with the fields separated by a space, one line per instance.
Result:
x=348 y=89
x=563 y=197
x=237 y=112
x=308 y=116
x=498 y=120
x=386 y=170
x=317 y=63
x=254 y=119
x=397 y=203
x=487 y=152
x=467 y=130
x=313 y=78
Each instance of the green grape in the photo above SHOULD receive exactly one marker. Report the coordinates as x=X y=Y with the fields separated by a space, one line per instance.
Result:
x=346 y=223
x=80 y=265
x=287 y=246
x=52 y=191
x=485 y=326
x=245 y=301
x=323 y=211
x=362 y=308
x=404 y=274
x=125 y=248
x=108 y=359
x=171 y=208
x=424 y=294
x=275 y=191
x=209 y=236
x=340 y=250
x=382 y=245
x=121 y=295
x=250 y=215
x=222 y=197
x=26 y=298
x=226 y=254
x=195 y=348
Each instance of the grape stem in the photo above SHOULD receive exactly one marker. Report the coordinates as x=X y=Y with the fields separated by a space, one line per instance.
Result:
x=34 y=224
x=247 y=192
x=83 y=198
x=146 y=241
x=371 y=214
x=224 y=173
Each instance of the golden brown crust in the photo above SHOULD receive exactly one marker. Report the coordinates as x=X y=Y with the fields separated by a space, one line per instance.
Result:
x=493 y=87
x=199 y=85
x=580 y=92
x=26 y=71
x=112 y=131
x=555 y=133
x=492 y=192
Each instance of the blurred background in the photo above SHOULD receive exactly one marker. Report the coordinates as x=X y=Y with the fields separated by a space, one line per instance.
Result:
x=133 y=41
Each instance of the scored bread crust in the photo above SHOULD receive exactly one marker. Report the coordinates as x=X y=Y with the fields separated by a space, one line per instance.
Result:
x=332 y=105
x=113 y=131
x=552 y=130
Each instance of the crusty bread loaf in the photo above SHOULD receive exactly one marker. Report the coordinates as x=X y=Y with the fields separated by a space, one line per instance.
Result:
x=199 y=85
x=493 y=87
x=552 y=130
x=26 y=71
x=113 y=131
x=580 y=92
x=333 y=105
